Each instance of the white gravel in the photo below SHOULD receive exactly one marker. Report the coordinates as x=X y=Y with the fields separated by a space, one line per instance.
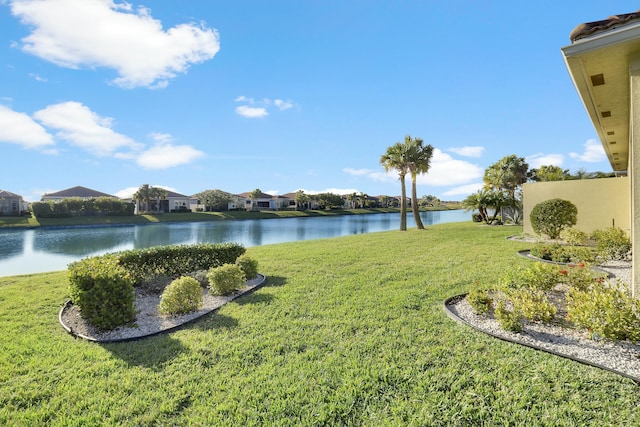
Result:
x=148 y=320
x=621 y=357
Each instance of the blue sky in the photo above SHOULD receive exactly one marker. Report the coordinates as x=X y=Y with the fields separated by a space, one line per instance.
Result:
x=285 y=95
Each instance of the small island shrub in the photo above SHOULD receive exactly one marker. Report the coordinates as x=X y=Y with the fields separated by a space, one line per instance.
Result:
x=552 y=216
x=248 y=265
x=537 y=276
x=574 y=236
x=103 y=290
x=182 y=296
x=533 y=305
x=612 y=244
x=606 y=310
x=479 y=300
x=476 y=217
x=563 y=253
x=509 y=320
x=226 y=279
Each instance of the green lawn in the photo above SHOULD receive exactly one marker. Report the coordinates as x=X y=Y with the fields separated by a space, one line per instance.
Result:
x=347 y=331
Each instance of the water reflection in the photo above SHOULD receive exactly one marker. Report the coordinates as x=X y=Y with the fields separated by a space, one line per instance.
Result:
x=32 y=251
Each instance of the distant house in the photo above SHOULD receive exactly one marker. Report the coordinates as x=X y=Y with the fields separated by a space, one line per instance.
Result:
x=77 y=191
x=235 y=203
x=265 y=201
x=172 y=202
x=11 y=204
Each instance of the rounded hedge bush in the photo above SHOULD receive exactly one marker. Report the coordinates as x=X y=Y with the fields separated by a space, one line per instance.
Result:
x=226 y=279
x=182 y=296
x=249 y=266
x=552 y=216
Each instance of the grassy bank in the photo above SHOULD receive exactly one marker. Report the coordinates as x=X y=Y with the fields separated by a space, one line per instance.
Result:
x=347 y=331
x=182 y=217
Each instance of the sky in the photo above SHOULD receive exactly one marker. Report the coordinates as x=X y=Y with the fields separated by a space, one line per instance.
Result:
x=286 y=95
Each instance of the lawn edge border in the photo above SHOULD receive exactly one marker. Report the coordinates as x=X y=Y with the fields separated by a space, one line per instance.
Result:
x=449 y=301
x=247 y=290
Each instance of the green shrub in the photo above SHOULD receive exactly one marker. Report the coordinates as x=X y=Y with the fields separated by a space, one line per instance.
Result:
x=201 y=277
x=573 y=236
x=183 y=295
x=612 y=243
x=479 y=300
x=606 y=310
x=563 y=253
x=249 y=266
x=580 y=276
x=539 y=275
x=552 y=216
x=178 y=260
x=509 y=320
x=226 y=279
x=103 y=290
x=476 y=217
x=533 y=305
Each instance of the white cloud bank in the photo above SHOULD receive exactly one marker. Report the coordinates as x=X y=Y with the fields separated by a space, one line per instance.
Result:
x=444 y=171
x=75 y=123
x=593 y=152
x=468 y=151
x=19 y=128
x=104 y=33
x=536 y=160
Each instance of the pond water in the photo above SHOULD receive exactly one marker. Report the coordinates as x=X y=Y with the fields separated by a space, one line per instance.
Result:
x=51 y=249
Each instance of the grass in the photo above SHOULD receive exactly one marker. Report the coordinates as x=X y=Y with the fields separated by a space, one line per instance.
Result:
x=347 y=331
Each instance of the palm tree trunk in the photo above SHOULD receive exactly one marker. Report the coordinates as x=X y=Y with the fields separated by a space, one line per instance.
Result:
x=403 y=205
x=414 y=204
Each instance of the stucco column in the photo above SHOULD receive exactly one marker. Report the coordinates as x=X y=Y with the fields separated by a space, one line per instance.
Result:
x=634 y=160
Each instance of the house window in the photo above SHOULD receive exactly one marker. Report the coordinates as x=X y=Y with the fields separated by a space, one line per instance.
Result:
x=14 y=205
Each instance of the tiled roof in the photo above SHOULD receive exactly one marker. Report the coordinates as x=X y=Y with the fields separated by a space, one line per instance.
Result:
x=174 y=194
x=78 y=191
x=262 y=195
x=4 y=193
x=591 y=28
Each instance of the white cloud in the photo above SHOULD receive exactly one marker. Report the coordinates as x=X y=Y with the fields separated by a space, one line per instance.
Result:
x=358 y=172
x=163 y=156
x=464 y=190
x=162 y=138
x=19 y=128
x=258 y=109
x=83 y=128
x=593 y=152
x=468 y=151
x=537 y=160
x=445 y=171
x=283 y=105
x=102 y=33
x=37 y=77
x=251 y=112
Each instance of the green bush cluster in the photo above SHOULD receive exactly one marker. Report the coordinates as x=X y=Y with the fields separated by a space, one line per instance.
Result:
x=574 y=236
x=103 y=290
x=76 y=206
x=178 y=260
x=248 y=265
x=532 y=304
x=612 y=243
x=509 y=320
x=479 y=300
x=538 y=276
x=183 y=295
x=552 y=216
x=563 y=253
x=225 y=279
x=608 y=311
x=103 y=286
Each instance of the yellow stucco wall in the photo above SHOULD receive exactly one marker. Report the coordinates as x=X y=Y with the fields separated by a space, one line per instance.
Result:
x=601 y=202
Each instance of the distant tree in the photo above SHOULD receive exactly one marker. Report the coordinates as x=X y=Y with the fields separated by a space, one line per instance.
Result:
x=485 y=200
x=395 y=159
x=146 y=193
x=362 y=199
x=418 y=158
x=352 y=198
x=302 y=199
x=328 y=200
x=429 y=201
x=214 y=200
x=547 y=173
x=384 y=201
x=507 y=174
x=254 y=195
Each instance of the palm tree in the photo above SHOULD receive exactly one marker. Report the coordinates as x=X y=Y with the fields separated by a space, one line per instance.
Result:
x=395 y=158
x=418 y=158
x=144 y=194
x=254 y=195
